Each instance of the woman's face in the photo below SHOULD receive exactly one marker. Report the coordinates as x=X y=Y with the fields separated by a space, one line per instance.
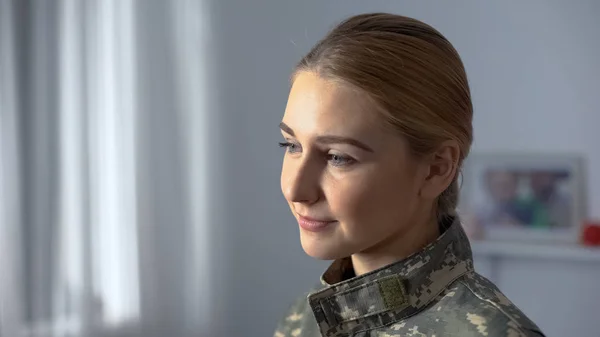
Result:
x=351 y=183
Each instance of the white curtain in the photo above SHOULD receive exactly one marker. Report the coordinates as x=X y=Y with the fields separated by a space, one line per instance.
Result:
x=103 y=182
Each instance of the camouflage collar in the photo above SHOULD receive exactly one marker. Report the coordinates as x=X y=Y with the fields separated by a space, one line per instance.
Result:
x=394 y=292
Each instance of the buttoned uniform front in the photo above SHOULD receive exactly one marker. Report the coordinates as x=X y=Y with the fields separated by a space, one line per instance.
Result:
x=434 y=292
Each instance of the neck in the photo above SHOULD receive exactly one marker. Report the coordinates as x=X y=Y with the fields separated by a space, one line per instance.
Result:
x=419 y=234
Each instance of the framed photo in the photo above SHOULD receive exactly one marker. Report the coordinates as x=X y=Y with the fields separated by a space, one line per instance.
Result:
x=528 y=198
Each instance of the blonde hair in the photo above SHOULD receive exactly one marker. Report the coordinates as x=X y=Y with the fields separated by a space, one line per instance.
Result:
x=414 y=76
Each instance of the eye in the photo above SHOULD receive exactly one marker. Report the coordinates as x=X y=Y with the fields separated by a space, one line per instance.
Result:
x=340 y=160
x=290 y=147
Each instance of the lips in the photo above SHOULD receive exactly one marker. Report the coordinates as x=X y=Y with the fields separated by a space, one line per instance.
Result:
x=314 y=225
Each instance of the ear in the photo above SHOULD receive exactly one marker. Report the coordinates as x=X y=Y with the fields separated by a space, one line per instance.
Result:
x=442 y=169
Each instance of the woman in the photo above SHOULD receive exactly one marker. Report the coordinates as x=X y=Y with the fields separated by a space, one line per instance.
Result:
x=377 y=125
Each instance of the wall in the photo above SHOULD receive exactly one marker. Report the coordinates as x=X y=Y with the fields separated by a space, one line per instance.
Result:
x=534 y=73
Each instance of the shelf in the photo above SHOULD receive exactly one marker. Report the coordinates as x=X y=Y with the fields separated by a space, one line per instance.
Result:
x=536 y=251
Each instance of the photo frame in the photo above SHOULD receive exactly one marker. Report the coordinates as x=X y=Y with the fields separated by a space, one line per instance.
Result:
x=537 y=198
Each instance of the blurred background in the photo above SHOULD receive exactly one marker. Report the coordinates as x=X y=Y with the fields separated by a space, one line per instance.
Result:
x=139 y=166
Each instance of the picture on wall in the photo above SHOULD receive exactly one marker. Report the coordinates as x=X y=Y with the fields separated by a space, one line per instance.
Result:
x=523 y=197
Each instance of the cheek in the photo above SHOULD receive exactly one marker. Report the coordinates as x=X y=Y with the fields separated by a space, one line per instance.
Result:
x=284 y=178
x=370 y=200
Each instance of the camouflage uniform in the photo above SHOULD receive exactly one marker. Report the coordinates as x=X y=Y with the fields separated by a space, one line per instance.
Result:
x=434 y=292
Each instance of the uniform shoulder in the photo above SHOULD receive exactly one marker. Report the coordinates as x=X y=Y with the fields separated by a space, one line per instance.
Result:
x=298 y=319
x=471 y=306
x=490 y=305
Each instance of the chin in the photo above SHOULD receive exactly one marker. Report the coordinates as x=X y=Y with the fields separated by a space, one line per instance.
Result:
x=324 y=248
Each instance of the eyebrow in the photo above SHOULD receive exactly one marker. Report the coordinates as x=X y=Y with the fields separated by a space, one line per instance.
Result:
x=329 y=139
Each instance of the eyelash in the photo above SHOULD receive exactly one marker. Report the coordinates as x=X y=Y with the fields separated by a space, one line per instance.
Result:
x=288 y=146
x=345 y=160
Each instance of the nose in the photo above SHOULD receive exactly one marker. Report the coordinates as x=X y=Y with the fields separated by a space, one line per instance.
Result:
x=300 y=181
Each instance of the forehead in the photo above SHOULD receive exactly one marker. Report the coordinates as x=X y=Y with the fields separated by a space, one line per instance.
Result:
x=316 y=105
